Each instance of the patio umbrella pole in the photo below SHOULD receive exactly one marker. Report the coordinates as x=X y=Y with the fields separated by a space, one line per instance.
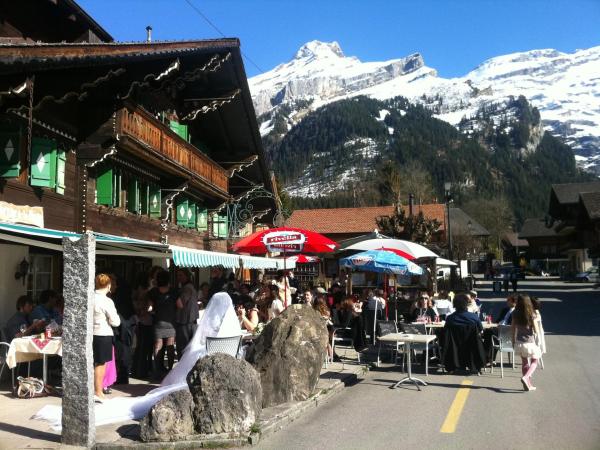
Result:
x=385 y=294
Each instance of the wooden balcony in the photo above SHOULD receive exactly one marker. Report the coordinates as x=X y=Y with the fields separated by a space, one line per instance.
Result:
x=142 y=126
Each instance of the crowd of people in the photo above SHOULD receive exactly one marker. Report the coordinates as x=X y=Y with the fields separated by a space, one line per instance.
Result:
x=142 y=331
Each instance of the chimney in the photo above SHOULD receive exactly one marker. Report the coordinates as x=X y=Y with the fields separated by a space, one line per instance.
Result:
x=148 y=33
x=411 y=204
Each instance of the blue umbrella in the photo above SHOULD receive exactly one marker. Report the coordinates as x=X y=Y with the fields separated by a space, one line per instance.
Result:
x=381 y=261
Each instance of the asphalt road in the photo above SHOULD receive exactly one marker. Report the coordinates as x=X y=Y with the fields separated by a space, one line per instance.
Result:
x=564 y=412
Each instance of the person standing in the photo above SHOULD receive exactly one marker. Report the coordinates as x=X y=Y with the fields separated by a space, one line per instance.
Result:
x=186 y=316
x=163 y=300
x=105 y=317
x=524 y=329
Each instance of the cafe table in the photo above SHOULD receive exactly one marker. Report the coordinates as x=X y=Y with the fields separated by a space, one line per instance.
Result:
x=408 y=340
x=30 y=348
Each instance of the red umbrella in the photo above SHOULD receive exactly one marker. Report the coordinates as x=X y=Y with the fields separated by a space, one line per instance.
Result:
x=303 y=259
x=285 y=240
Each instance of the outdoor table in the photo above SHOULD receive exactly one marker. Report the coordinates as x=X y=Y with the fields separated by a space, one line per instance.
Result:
x=431 y=325
x=30 y=348
x=409 y=339
x=487 y=326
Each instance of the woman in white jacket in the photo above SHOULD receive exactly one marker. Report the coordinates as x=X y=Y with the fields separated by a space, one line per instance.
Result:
x=105 y=317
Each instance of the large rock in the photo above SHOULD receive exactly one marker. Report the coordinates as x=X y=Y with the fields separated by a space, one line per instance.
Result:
x=170 y=419
x=227 y=394
x=289 y=354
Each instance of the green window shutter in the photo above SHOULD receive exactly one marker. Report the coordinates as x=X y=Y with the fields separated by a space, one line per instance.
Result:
x=181 y=209
x=104 y=187
x=117 y=178
x=180 y=129
x=154 y=201
x=201 y=219
x=10 y=154
x=222 y=230
x=133 y=196
x=191 y=215
x=43 y=163
x=145 y=199
x=61 y=163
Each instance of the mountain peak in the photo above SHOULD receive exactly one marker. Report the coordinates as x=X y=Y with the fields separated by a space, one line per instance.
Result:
x=318 y=49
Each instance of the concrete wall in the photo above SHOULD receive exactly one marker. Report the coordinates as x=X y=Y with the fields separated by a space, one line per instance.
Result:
x=10 y=289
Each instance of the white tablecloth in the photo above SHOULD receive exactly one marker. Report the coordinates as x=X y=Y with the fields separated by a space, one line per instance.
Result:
x=30 y=348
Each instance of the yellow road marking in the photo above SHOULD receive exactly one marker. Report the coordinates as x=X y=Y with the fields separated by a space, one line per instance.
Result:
x=449 y=425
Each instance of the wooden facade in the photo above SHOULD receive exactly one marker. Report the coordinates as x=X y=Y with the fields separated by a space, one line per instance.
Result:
x=142 y=140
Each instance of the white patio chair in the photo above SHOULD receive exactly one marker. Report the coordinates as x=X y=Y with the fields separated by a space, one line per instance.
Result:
x=503 y=344
x=228 y=345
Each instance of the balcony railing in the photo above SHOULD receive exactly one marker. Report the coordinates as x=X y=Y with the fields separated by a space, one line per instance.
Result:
x=139 y=124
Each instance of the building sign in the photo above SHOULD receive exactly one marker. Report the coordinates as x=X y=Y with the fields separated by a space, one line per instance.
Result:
x=284 y=241
x=22 y=214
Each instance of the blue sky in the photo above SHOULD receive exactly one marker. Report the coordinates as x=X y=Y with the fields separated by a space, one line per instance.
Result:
x=453 y=36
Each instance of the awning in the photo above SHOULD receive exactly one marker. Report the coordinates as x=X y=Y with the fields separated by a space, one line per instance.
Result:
x=106 y=244
x=110 y=245
x=188 y=257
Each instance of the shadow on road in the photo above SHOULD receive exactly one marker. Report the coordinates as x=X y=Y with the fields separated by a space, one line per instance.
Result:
x=577 y=313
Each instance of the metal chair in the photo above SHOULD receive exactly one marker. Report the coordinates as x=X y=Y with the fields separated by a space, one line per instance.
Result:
x=503 y=344
x=385 y=327
x=337 y=338
x=228 y=345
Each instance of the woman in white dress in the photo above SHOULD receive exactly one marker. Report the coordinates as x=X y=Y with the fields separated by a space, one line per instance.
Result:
x=219 y=320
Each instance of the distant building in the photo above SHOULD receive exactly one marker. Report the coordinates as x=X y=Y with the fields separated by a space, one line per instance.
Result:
x=567 y=240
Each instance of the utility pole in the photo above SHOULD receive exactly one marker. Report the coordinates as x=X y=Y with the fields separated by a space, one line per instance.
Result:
x=448 y=198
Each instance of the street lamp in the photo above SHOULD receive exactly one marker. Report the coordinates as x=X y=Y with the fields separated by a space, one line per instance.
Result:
x=448 y=198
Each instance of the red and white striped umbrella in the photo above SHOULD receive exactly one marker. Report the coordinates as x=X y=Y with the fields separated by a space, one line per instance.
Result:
x=407 y=249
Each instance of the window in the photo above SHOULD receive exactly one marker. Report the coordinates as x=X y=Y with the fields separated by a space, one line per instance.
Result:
x=10 y=146
x=219 y=225
x=40 y=275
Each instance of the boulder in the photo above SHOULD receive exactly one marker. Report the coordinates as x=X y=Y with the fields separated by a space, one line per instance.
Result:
x=170 y=419
x=227 y=394
x=289 y=354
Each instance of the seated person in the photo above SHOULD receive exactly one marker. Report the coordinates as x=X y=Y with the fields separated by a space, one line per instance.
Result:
x=19 y=325
x=461 y=316
x=348 y=316
x=248 y=316
x=463 y=346
x=472 y=305
x=505 y=316
x=423 y=309
x=45 y=310
x=320 y=305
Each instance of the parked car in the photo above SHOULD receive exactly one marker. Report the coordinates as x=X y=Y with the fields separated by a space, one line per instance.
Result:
x=590 y=275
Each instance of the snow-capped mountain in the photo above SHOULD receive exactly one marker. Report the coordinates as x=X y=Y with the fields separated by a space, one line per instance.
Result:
x=565 y=87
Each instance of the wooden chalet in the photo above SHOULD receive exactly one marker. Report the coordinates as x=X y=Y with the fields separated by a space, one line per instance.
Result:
x=147 y=141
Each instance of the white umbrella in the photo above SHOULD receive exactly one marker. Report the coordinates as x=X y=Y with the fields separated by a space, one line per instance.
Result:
x=407 y=249
x=444 y=262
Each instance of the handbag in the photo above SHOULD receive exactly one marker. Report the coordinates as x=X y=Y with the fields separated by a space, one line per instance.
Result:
x=30 y=387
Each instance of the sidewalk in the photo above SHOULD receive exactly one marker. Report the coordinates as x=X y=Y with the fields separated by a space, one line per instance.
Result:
x=18 y=430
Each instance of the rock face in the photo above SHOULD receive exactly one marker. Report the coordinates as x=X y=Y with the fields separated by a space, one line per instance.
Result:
x=170 y=419
x=289 y=354
x=226 y=393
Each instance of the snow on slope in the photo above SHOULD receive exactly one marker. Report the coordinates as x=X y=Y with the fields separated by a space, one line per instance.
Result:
x=565 y=87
